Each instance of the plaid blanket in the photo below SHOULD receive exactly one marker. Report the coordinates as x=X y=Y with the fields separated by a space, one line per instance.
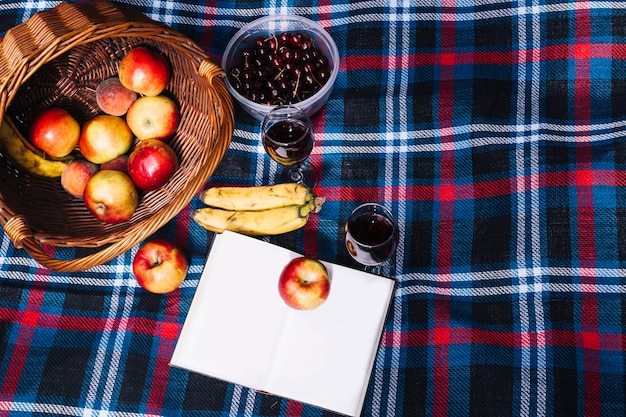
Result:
x=495 y=133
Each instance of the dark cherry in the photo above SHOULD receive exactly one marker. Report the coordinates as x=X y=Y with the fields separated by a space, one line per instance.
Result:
x=308 y=67
x=261 y=51
x=246 y=86
x=321 y=61
x=283 y=38
x=272 y=43
x=297 y=71
x=287 y=54
x=296 y=39
x=305 y=44
x=248 y=74
x=322 y=75
x=257 y=96
x=264 y=73
x=282 y=85
x=277 y=62
x=274 y=93
x=308 y=79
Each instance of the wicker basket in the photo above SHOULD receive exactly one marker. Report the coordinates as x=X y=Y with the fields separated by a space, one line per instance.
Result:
x=58 y=57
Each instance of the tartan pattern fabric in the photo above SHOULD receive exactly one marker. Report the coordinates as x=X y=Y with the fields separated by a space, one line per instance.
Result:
x=495 y=133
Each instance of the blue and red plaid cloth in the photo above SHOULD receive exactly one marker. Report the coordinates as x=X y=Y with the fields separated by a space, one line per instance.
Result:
x=495 y=131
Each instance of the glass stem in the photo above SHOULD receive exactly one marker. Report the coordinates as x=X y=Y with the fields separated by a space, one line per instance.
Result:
x=294 y=173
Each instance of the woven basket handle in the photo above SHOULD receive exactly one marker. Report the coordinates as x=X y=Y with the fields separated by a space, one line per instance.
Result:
x=210 y=71
x=215 y=76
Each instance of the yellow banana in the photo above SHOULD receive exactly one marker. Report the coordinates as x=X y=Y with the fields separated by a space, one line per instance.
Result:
x=257 y=198
x=12 y=144
x=272 y=221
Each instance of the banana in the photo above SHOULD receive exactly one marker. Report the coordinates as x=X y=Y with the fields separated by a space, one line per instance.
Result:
x=12 y=143
x=272 y=221
x=257 y=198
x=257 y=211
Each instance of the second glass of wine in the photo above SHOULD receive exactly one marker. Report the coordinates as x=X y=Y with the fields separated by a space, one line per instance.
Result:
x=287 y=135
x=371 y=235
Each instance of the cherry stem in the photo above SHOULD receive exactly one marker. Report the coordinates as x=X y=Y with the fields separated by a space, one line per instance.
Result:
x=295 y=90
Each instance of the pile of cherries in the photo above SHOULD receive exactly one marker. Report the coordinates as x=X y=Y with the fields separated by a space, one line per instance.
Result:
x=280 y=69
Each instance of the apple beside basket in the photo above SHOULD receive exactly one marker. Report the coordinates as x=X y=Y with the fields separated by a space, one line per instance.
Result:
x=58 y=57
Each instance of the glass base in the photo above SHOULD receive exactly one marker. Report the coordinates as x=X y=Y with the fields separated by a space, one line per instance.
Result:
x=301 y=173
x=373 y=269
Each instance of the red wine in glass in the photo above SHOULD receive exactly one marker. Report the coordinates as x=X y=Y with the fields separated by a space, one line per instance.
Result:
x=289 y=142
x=287 y=134
x=371 y=235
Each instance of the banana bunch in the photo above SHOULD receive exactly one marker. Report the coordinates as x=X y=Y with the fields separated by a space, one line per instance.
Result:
x=14 y=146
x=257 y=211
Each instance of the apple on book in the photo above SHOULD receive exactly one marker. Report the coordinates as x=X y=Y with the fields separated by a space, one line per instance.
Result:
x=304 y=283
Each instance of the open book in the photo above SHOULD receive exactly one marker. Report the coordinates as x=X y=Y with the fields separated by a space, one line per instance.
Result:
x=238 y=329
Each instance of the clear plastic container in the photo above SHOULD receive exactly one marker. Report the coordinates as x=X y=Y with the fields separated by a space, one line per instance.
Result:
x=267 y=26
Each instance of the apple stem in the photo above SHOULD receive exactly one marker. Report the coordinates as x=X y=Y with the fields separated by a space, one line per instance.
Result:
x=156 y=260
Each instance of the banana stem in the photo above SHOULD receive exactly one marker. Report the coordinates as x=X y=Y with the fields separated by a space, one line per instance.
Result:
x=318 y=201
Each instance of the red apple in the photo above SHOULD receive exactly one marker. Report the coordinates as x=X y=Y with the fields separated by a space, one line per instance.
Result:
x=304 y=283
x=160 y=266
x=145 y=71
x=119 y=163
x=151 y=164
x=154 y=117
x=111 y=196
x=75 y=177
x=55 y=132
x=104 y=138
x=113 y=98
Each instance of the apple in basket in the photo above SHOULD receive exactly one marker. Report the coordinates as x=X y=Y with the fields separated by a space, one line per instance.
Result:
x=144 y=71
x=304 y=283
x=75 y=176
x=54 y=131
x=104 y=138
x=151 y=164
x=153 y=117
x=119 y=164
x=160 y=266
x=111 y=196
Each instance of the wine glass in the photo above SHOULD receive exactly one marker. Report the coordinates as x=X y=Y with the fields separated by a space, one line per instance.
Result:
x=371 y=235
x=287 y=134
